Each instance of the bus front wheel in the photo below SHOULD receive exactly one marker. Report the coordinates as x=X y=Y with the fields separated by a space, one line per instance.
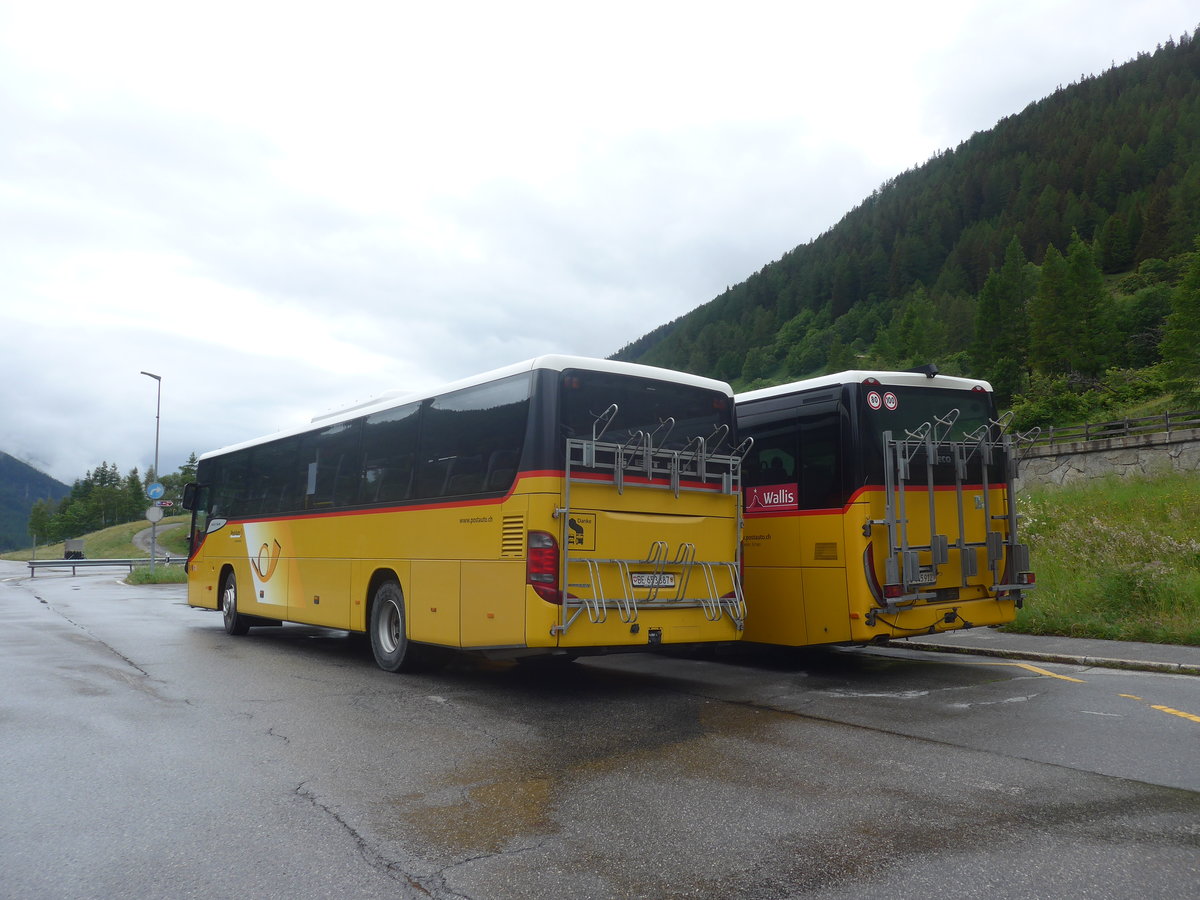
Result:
x=388 y=640
x=235 y=622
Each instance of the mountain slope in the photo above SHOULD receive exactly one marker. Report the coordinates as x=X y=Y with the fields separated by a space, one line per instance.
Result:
x=1114 y=159
x=21 y=486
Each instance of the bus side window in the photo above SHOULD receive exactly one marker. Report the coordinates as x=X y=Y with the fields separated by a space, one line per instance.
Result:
x=773 y=457
x=389 y=453
x=460 y=430
x=820 y=469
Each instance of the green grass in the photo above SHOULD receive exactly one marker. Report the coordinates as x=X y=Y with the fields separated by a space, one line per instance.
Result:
x=117 y=542
x=1117 y=558
x=172 y=574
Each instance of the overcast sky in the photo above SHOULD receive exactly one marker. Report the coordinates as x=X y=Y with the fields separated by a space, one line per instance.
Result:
x=286 y=208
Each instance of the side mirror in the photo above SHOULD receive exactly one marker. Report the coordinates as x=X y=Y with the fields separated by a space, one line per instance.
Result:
x=189 y=497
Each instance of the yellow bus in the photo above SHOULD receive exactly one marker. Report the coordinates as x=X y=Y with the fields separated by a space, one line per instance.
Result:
x=558 y=506
x=878 y=505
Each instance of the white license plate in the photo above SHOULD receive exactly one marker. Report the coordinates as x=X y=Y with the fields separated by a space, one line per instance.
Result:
x=925 y=576
x=652 y=580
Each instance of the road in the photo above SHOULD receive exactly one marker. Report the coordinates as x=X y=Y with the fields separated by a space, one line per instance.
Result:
x=148 y=754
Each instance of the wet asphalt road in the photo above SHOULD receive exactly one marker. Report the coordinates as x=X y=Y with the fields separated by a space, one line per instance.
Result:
x=147 y=754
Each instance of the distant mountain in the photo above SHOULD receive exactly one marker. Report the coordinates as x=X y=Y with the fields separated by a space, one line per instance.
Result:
x=21 y=486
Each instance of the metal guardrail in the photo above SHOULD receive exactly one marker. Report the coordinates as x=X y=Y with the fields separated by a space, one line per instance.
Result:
x=1161 y=424
x=72 y=564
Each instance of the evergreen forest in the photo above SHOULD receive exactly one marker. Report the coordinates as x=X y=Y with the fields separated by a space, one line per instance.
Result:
x=103 y=497
x=1055 y=255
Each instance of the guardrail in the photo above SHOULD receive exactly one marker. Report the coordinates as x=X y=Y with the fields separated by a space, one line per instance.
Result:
x=72 y=564
x=1165 y=423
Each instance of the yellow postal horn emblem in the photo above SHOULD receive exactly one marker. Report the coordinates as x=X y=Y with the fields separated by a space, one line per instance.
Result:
x=267 y=560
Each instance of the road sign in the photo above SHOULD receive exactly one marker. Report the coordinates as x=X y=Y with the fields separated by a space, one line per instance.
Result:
x=154 y=490
x=164 y=503
x=154 y=514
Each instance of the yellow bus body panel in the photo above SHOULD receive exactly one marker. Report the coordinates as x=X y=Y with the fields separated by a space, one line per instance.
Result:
x=461 y=567
x=806 y=579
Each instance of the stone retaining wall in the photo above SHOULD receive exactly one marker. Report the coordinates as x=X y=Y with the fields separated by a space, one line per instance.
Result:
x=1143 y=454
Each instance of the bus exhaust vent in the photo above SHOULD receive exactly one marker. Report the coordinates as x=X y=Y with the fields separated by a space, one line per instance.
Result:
x=512 y=537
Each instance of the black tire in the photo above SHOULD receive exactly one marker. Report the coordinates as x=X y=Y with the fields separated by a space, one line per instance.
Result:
x=235 y=622
x=389 y=642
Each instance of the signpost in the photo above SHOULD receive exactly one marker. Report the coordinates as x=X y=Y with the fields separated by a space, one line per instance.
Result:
x=155 y=490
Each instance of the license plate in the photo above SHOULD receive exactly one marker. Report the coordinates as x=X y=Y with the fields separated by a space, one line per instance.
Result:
x=925 y=576
x=653 y=580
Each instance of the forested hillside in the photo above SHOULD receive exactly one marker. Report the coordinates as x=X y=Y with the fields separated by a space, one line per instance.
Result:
x=103 y=497
x=1047 y=254
x=21 y=486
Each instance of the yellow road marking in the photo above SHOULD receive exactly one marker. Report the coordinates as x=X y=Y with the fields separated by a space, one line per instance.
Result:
x=1035 y=669
x=1177 y=712
x=1130 y=696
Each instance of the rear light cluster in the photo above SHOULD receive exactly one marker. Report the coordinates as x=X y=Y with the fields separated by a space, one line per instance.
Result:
x=541 y=566
x=1026 y=578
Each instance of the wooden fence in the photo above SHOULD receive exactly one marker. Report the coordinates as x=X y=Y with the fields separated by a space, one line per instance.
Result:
x=1165 y=423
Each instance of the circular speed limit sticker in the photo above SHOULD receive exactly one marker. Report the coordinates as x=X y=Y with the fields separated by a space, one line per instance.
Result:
x=874 y=400
x=890 y=401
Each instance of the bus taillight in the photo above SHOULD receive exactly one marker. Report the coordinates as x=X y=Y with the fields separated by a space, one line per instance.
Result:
x=1026 y=578
x=541 y=566
x=893 y=591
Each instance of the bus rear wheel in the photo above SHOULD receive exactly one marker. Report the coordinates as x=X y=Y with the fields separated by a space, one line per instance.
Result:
x=389 y=642
x=235 y=622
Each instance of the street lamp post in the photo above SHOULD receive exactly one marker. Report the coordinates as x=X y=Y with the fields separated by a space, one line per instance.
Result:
x=157 y=419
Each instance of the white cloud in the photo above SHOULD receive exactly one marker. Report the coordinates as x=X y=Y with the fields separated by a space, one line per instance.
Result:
x=288 y=207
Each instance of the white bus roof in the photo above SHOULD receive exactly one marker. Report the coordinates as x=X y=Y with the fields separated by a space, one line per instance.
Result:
x=554 y=362
x=857 y=376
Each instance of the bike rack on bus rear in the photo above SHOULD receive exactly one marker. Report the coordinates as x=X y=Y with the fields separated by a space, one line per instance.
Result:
x=612 y=584
x=903 y=565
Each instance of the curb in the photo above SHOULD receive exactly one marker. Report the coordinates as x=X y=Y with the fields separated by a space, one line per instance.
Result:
x=1065 y=659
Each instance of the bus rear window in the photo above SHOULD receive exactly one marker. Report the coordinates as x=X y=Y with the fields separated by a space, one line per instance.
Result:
x=905 y=411
x=643 y=405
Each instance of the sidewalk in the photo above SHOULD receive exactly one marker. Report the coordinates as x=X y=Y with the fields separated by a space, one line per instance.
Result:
x=1170 y=658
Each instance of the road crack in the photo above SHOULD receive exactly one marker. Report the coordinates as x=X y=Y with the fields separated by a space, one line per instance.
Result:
x=394 y=869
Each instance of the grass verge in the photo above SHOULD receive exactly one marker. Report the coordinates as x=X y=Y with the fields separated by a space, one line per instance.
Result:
x=1116 y=558
x=116 y=542
x=172 y=574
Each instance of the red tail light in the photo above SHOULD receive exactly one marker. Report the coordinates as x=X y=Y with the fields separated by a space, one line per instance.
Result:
x=541 y=566
x=1026 y=578
x=892 y=591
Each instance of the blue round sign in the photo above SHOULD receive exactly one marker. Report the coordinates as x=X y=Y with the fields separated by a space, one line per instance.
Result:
x=154 y=490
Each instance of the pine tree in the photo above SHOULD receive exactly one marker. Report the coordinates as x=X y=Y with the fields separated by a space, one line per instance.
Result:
x=1092 y=337
x=1180 y=345
x=1002 y=320
x=1050 y=330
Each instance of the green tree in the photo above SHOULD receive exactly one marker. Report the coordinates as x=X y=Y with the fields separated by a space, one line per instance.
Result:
x=41 y=518
x=1116 y=253
x=1093 y=346
x=1050 y=326
x=1002 y=320
x=1181 y=337
x=1067 y=331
